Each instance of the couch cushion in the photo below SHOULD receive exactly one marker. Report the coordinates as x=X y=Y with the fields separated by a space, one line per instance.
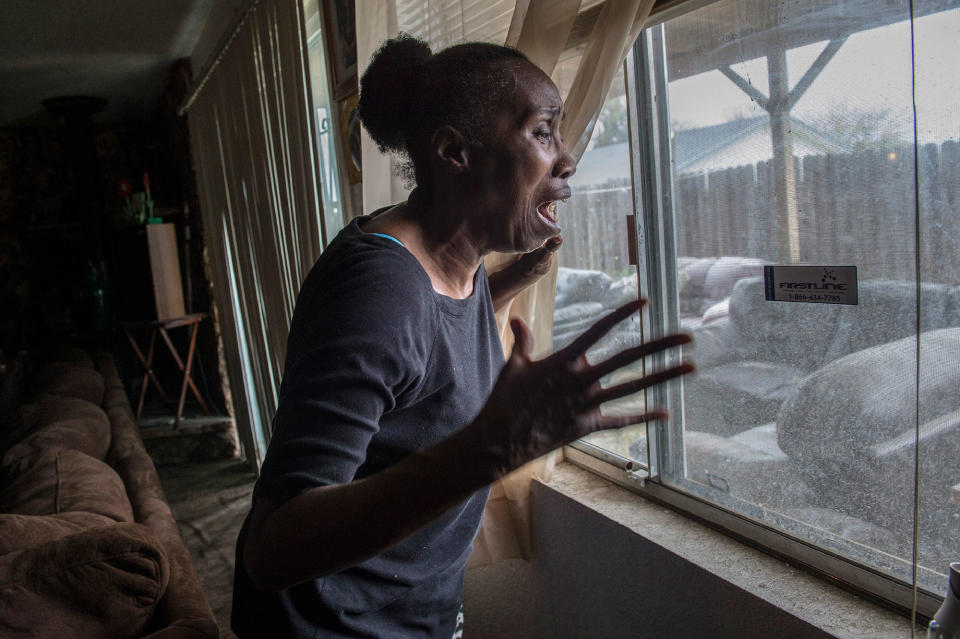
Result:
x=887 y=311
x=809 y=336
x=50 y=409
x=724 y=274
x=840 y=422
x=63 y=480
x=575 y=286
x=87 y=431
x=44 y=355
x=743 y=393
x=70 y=380
x=788 y=333
x=46 y=409
x=865 y=398
x=98 y=583
x=19 y=532
x=90 y=437
x=708 y=280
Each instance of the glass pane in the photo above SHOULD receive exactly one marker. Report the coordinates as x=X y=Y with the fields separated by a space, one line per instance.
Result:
x=595 y=275
x=938 y=126
x=791 y=134
x=326 y=153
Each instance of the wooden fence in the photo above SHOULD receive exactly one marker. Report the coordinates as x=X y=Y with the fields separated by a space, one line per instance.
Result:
x=595 y=228
x=856 y=209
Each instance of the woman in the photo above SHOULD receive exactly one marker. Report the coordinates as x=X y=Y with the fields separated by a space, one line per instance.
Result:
x=394 y=413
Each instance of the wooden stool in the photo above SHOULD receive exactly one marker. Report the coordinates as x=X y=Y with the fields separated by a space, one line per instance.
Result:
x=161 y=327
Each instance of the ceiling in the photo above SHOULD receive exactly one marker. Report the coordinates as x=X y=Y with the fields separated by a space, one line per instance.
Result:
x=120 y=50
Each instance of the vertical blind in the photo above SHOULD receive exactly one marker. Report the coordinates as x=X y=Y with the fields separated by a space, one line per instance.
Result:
x=252 y=136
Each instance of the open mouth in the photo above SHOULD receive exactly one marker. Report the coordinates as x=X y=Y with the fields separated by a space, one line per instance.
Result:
x=548 y=212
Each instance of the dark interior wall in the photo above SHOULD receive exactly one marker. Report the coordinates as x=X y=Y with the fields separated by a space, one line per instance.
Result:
x=32 y=197
x=72 y=268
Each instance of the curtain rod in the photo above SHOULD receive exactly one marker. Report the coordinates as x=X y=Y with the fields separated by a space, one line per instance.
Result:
x=214 y=60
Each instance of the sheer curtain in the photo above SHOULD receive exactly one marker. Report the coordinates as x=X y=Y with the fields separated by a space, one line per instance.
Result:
x=252 y=139
x=507 y=527
x=592 y=39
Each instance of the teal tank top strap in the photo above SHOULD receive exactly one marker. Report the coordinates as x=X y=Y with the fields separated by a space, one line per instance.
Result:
x=389 y=237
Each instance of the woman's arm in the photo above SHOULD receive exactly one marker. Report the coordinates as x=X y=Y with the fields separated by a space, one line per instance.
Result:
x=329 y=528
x=535 y=407
x=509 y=281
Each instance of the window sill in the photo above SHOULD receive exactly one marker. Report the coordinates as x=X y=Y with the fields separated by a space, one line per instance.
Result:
x=759 y=582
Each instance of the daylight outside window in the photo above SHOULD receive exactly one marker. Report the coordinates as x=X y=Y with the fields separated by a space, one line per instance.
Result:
x=333 y=210
x=785 y=135
x=596 y=274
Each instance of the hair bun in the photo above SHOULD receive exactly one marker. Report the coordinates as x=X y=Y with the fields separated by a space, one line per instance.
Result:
x=388 y=90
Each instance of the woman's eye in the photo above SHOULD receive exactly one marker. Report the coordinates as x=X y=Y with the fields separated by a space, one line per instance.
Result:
x=543 y=135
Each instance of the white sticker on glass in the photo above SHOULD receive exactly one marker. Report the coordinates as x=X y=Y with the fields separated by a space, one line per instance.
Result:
x=812 y=284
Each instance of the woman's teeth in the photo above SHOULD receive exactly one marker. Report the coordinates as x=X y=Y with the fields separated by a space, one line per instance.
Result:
x=548 y=211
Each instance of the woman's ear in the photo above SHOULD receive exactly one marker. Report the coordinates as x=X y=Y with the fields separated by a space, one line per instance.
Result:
x=449 y=149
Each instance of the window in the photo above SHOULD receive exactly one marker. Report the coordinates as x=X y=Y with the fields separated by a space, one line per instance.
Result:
x=326 y=122
x=770 y=134
x=596 y=274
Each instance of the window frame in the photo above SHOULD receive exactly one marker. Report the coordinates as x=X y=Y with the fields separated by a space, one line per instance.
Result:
x=648 y=114
x=319 y=39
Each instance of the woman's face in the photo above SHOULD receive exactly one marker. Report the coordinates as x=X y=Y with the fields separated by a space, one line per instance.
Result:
x=520 y=171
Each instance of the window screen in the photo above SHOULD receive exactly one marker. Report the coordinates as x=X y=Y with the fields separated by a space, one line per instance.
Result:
x=820 y=134
x=596 y=274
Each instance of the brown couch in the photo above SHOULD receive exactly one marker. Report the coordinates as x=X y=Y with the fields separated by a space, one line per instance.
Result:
x=88 y=545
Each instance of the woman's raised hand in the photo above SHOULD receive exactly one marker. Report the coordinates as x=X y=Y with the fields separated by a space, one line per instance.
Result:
x=531 y=266
x=538 y=406
x=509 y=281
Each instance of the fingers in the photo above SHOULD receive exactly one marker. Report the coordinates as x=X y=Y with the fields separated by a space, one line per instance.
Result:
x=655 y=415
x=522 y=339
x=543 y=251
x=633 y=354
x=628 y=388
x=593 y=334
x=540 y=257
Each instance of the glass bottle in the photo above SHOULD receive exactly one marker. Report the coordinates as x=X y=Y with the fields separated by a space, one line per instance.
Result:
x=946 y=623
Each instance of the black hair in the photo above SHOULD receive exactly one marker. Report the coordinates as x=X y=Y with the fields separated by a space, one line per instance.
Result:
x=408 y=91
